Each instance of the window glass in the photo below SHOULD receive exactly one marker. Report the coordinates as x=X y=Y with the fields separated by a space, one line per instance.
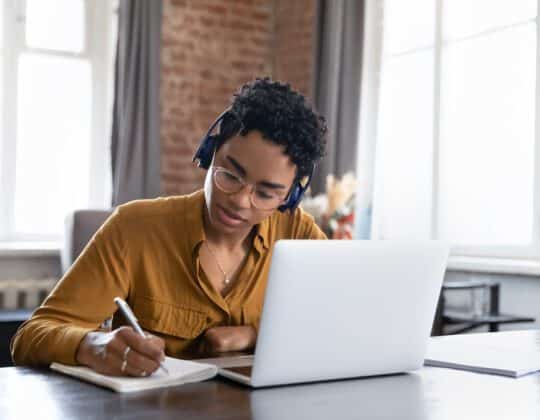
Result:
x=53 y=147
x=487 y=139
x=55 y=25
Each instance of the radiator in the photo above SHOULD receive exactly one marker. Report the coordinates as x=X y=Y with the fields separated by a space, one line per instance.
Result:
x=24 y=293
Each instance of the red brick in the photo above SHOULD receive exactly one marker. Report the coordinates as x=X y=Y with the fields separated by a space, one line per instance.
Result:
x=260 y=16
x=179 y=3
x=217 y=9
x=249 y=3
x=240 y=25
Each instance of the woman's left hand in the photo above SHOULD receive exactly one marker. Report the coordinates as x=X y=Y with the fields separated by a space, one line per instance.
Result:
x=226 y=339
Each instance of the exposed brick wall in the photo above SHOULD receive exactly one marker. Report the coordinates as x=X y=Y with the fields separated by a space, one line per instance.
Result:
x=294 y=43
x=209 y=49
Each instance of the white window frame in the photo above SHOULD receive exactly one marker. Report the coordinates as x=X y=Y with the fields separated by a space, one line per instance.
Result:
x=373 y=64
x=99 y=45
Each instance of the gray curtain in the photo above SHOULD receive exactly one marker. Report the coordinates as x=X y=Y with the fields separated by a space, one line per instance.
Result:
x=336 y=87
x=135 y=142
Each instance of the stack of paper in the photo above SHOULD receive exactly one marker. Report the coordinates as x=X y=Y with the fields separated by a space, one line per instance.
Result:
x=513 y=353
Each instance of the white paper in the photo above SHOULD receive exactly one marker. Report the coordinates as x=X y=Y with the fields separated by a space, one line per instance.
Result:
x=510 y=353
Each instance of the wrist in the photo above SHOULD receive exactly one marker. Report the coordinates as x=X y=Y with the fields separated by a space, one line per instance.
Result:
x=249 y=337
x=83 y=353
x=253 y=337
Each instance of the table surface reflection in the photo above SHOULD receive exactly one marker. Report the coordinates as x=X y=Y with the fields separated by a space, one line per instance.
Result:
x=430 y=393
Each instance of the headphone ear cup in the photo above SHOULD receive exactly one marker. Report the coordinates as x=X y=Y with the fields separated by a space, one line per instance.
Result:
x=297 y=193
x=205 y=152
x=294 y=198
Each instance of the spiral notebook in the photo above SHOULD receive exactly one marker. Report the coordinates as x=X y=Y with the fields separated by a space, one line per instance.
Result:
x=180 y=372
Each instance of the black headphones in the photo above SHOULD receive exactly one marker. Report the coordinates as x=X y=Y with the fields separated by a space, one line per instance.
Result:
x=208 y=145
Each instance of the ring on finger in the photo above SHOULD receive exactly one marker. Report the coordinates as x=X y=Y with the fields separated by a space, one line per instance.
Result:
x=126 y=351
x=123 y=367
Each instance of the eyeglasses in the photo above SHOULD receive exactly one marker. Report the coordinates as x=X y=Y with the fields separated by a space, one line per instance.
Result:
x=262 y=198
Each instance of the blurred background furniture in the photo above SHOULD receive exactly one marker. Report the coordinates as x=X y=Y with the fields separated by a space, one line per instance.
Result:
x=81 y=225
x=480 y=314
x=10 y=321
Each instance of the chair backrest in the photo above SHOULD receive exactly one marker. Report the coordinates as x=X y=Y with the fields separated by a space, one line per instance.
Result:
x=80 y=227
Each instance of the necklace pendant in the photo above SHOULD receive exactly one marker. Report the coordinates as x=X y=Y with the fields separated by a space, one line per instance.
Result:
x=227 y=280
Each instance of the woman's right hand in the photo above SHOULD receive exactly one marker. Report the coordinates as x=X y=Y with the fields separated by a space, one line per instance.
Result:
x=121 y=352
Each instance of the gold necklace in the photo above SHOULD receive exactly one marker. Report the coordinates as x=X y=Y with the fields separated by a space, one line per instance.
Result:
x=226 y=278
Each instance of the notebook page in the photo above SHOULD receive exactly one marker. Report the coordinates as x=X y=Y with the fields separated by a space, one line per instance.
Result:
x=180 y=372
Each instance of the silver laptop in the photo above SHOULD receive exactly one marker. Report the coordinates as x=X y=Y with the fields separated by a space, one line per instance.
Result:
x=344 y=309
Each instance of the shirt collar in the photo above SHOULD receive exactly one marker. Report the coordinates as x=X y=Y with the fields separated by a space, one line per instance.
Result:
x=194 y=219
x=261 y=235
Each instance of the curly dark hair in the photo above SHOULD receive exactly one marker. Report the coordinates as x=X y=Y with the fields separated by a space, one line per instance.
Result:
x=283 y=116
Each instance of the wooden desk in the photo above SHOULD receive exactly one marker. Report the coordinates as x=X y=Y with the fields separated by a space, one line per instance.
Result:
x=430 y=393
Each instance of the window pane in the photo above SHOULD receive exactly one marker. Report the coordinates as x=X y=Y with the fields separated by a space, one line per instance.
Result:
x=404 y=150
x=53 y=147
x=55 y=24
x=487 y=139
x=408 y=24
x=466 y=17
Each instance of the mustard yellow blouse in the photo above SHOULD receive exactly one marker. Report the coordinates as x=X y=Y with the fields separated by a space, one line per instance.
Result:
x=147 y=253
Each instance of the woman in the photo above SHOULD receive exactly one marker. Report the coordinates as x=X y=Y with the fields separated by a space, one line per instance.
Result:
x=193 y=268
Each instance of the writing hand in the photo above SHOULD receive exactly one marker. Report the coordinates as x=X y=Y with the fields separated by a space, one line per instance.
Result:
x=121 y=352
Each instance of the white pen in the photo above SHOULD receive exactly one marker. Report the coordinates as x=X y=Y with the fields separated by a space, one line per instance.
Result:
x=130 y=317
